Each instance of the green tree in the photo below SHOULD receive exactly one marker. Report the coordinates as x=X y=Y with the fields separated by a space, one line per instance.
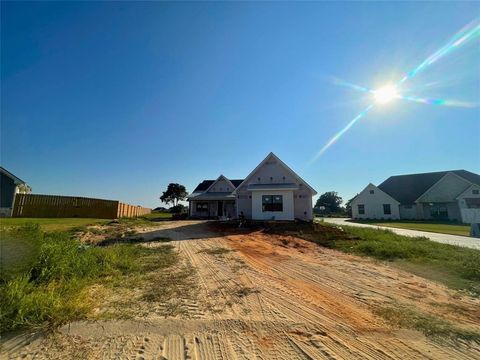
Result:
x=174 y=193
x=330 y=200
x=348 y=206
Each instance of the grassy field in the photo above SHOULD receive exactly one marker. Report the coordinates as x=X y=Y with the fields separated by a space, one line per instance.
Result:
x=456 y=267
x=50 y=224
x=46 y=275
x=443 y=228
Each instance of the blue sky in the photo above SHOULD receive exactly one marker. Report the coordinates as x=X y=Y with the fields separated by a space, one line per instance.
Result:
x=117 y=99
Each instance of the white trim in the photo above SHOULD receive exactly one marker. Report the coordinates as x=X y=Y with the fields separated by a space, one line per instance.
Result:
x=218 y=179
x=281 y=163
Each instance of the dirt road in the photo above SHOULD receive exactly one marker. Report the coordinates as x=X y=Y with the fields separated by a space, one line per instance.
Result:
x=264 y=296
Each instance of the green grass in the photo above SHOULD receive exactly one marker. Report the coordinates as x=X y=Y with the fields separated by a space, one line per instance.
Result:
x=158 y=215
x=443 y=228
x=457 y=267
x=429 y=325
x=50 y=224
x=47 y=283
x=216 y=251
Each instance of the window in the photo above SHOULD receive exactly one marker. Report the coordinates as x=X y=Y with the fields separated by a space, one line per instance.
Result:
x=439 y=212
x=387 y=209
x=475 y=191
x=361 y=209
x=202 y=206
x=372 y=191
x=272 y=203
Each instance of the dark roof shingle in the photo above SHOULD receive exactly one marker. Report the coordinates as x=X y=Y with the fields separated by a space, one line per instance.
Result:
x=408 y=188
x=205 y=184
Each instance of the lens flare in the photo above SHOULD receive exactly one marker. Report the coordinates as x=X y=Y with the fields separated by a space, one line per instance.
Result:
x=391 y=92
x=385 y=94
x=468 y=33
x=334 y=139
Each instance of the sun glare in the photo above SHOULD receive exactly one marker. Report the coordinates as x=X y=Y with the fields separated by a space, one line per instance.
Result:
x=386 y=94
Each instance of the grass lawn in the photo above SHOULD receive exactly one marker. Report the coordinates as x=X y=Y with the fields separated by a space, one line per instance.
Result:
x=47 y=277
x=454 y=266
x=443 y=228
x=49 y=224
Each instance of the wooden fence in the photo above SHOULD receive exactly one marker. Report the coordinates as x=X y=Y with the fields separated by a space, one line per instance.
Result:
x=53 y=206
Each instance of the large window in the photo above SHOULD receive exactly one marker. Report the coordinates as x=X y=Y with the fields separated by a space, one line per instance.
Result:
x=361 y=209
x=387 y=210
x=439 y=212
x=272 y=203
x=202 y=207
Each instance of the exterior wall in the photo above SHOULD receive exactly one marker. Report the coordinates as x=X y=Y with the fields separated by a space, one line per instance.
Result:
x=7 y=191
x=244 y=204
x=273 y=172
x=221 y=186
x=445 y=190
x=374 y=204
x=452 y=209
x=303 y=209
x=470 y=215
x=408 y=212
x=288 y=206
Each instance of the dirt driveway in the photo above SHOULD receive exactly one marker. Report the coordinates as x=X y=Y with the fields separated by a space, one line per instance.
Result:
x=264 y=296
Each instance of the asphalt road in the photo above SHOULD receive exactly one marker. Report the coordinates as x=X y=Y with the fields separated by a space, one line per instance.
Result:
x=465 y=241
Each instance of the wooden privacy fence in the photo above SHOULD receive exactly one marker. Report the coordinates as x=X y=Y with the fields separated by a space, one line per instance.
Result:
x=52 y=206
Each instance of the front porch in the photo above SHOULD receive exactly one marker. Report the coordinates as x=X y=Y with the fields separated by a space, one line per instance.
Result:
x=213 y=209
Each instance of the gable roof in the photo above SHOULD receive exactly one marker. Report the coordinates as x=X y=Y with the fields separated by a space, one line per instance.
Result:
x=205 y=184
x=408 y=188
x=369 y=186
x=15 y=179
x=281 y=163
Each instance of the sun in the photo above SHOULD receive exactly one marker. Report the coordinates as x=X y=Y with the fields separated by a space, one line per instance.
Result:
x=385 y=94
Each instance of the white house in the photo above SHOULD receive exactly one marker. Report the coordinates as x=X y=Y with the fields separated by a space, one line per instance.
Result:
x=272 y=191
x=445 y=195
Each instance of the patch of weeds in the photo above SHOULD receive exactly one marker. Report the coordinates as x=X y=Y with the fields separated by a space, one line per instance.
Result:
x=244 y=291
x=429 y=325
x=167 y=285
x=216 y=251
x=51 y=288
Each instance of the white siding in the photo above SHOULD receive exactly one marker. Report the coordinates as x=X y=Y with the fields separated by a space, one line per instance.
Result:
x=445 y=190
x=374 y=204
x=288 y=206
x=221 y=186
x=469 y=215
x=273 y=172
x=408 y=212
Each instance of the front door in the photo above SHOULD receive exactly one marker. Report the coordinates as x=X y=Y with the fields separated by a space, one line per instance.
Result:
x=220 y=208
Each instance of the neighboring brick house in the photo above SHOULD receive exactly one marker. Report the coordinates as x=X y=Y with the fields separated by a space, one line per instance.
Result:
x=444 y=195
x=272 y=191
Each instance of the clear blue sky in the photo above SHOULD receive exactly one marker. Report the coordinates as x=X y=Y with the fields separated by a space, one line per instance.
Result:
x=116 y=100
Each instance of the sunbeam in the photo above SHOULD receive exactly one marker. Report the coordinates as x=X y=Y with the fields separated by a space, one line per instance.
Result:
x=341 y=132
x=390 y=93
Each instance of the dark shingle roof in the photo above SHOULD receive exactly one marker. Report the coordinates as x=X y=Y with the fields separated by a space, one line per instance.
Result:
x=205 y=184
x=408 y=188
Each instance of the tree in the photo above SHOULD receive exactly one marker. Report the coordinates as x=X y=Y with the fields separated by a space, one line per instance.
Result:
x=175 y=192
x=348 y=206
x=330 y=201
